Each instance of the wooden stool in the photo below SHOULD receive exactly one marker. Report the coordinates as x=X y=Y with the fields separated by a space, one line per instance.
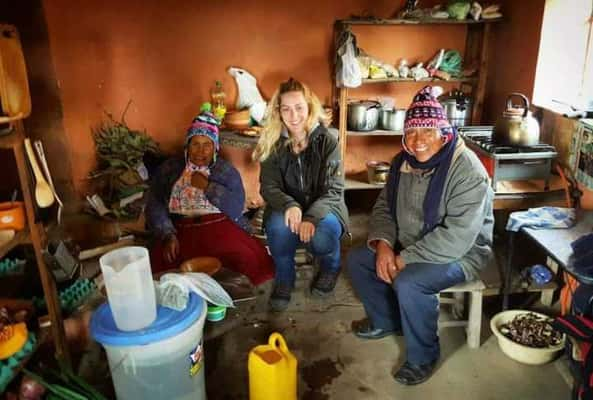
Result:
x=473 y=323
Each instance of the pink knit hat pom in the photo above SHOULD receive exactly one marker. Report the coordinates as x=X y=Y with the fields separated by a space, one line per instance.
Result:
x=426 y=111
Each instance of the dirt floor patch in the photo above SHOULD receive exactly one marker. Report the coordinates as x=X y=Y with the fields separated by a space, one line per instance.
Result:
x=319 y=374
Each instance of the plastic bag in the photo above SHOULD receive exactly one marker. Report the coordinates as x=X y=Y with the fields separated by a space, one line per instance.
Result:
x=203 y=285
x=172 y=294
x=349 y=74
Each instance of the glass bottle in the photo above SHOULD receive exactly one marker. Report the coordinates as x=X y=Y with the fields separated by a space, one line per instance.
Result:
x=218 y=97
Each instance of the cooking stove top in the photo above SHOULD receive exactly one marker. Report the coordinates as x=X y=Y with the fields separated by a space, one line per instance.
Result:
x=480 y=138
x=509 y=162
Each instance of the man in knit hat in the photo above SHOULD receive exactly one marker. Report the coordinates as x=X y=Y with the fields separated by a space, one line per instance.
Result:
x=430 y=229
x=194 y=208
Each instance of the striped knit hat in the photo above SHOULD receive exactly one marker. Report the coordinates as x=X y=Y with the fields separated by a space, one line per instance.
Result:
x=426 y=112
x=205 y=124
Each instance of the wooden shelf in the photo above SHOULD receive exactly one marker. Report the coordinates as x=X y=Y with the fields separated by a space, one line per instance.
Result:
x=352 y=184
x=529 y=193
x=10 y=140
x=412 y=80
x=21 y=237
x=423 y=21
x=475 y=53
x=16 y=370
x=378 y=132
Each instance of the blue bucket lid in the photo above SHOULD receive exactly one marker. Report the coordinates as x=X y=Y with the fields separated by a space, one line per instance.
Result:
x=168 y=323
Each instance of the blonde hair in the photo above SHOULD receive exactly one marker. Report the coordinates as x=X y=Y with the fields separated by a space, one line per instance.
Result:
x=273 y=124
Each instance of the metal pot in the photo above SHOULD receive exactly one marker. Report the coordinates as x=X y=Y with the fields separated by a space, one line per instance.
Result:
x=377 y=171
x=363 y=115
x=392 y=120
x=516 y=127
x=458 y=108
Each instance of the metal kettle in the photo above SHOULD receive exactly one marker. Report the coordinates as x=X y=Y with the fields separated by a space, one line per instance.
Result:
x=516 y=127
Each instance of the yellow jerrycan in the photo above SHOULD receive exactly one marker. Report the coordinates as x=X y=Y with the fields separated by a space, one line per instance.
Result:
x=272 y=371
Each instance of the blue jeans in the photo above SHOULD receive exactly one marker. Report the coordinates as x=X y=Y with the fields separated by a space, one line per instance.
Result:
x=325 y=245
x=409 y=303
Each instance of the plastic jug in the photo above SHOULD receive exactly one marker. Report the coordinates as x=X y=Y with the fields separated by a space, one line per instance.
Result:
x=272 y=371
x=130 y=289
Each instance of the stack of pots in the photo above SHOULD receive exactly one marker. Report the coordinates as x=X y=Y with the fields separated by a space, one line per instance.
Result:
x=368 y=115
x=458 y=107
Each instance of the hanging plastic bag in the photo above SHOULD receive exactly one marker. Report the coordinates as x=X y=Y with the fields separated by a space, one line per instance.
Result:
x=349 y=75
x=203 y=285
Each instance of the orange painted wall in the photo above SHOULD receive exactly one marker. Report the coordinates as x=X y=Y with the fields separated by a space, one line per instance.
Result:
x=165 y=56
x=513 y=52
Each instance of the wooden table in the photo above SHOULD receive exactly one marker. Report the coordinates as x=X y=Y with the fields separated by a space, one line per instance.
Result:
x=556 y=244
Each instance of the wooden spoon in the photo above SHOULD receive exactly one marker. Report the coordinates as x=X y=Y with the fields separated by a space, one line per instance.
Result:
x=43 y=193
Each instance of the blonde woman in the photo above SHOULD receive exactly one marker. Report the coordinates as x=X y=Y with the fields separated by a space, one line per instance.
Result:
x=303 y=186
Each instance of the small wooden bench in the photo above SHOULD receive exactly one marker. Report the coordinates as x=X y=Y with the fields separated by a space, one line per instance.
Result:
x=473 y=323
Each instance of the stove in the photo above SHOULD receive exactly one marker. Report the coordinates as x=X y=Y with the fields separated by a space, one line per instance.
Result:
x=509 y=163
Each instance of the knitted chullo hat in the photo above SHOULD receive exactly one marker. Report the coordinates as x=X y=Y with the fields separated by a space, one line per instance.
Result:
x=205 y=124
x=426 y=112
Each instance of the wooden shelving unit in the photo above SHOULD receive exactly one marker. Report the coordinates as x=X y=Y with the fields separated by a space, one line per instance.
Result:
x=423 y=21
x=476 y=52
x=378 y=132
x=359 y=185
x=21 y=237
x=411 y=80
x=34 y=233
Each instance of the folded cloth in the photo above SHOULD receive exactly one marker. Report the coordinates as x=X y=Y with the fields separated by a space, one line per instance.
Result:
x=583 y=254
x=583 y=244
x=584 y=263
x=541 y=218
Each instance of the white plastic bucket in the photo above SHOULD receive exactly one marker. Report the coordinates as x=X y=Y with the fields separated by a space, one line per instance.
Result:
x=146 y=366
x=130 y=289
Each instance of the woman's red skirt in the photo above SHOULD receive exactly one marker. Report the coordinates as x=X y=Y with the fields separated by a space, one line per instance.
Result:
x=215 y=235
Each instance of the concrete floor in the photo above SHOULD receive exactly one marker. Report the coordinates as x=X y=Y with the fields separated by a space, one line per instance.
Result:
x=334 y=364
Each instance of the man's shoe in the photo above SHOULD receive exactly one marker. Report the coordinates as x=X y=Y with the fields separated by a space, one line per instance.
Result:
x=411 y=374
x=366 y=331
x=324 y=283
x=280 y=297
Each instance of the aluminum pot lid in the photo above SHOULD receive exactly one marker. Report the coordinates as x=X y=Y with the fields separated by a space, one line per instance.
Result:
x=365 y=103
x=457 y=96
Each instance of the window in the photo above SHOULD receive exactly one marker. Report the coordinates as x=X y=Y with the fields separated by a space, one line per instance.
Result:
x=565 y=61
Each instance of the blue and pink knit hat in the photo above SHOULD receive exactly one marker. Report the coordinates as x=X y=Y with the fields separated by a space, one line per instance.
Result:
x=205 y=124
x=426 y=112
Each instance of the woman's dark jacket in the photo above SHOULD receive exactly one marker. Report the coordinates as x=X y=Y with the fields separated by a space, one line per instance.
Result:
x=312 y=180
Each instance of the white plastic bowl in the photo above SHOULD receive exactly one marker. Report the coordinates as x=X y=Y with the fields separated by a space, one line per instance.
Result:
x=519 y=352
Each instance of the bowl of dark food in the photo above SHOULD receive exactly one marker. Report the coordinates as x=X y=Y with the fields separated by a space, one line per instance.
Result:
x=526 y=336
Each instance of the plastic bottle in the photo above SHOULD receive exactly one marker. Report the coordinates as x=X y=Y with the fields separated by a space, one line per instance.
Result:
x=218 y=101
x=540 y=274
x=272 y=371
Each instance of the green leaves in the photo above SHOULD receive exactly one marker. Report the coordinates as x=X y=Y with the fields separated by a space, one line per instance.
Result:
x=120 y=151
x=116 y=141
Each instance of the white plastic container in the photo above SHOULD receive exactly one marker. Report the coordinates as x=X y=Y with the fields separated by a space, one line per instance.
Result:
x=130 y=289
x=163 y=361
x=518 y=352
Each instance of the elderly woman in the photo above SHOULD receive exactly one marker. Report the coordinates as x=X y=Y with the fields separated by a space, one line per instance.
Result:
x=431 y=228
x=195 y=208
x=303 y=186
